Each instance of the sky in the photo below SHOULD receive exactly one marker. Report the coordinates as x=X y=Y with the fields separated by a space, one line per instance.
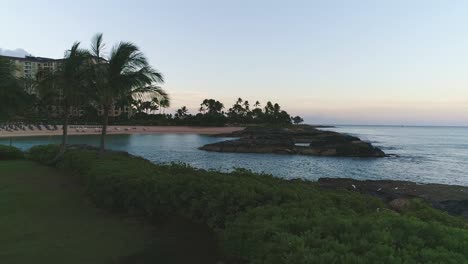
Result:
x=389 y=62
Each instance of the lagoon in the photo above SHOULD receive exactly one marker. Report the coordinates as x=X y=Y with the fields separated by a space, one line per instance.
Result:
x=425 y=154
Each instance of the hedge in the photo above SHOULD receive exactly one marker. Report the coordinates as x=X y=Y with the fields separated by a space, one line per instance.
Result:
x=43 y=153
x=299 y=233
x=262 y=219
x=9 y=153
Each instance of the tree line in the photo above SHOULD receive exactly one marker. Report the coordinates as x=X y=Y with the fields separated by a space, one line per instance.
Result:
x=213 y=113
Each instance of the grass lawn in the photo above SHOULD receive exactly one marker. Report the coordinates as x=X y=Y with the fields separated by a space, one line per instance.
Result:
x=45 y=217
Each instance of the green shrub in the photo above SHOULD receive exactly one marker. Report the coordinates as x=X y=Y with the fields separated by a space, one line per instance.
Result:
x=262 y=219
x=9 y=152
x=43 y=153
x=306 y=233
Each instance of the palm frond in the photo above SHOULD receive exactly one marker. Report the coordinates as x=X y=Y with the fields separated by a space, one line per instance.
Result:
x=152 y=93
x=98 y=46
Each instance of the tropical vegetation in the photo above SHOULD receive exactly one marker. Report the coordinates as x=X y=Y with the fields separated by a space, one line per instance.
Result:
x=14 y=97
x=262 y=219
x=88 y=84
x=65 y=88
x=213 y=113
x=257 y=218
x=85 y=82
x=125 y=74
x=10 y=153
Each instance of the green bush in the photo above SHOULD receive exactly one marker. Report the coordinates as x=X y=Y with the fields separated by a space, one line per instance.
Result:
x=43 y=153
x=9 y=152
x=134 y=184
x=305 y=232
x=262 y=219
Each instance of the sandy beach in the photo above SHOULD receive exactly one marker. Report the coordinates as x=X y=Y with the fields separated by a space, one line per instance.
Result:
x=89 y=130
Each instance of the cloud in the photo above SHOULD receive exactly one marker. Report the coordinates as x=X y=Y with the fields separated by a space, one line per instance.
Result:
x=21 y=53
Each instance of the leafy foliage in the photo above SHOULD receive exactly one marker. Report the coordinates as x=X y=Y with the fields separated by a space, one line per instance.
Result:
x=211 y=113
x=262 y=219
x=9 y=153
x=13 y=97
x=307 y=232
x=297 y=120
x=65 y=87
x=125 y=74
x=43 y=153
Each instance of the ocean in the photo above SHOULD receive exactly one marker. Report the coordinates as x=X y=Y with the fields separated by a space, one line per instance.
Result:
x=423 y=154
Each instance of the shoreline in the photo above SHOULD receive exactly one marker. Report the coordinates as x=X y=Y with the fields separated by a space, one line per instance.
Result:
x=122 y=130
x=452 y=199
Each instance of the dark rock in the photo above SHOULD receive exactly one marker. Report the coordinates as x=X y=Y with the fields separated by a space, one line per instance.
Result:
x=450 y=198
x=454 y=207
x=305 y=140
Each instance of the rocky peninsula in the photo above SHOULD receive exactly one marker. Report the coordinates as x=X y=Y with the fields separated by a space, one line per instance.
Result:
x=298 y=139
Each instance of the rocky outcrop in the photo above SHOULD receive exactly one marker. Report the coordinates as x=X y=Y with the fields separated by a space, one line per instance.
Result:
x=304 y=140
x=450 y=198
x=399 y=204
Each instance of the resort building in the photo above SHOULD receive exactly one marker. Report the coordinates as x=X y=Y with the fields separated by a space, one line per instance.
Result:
x=118 y=111
x=29 y=66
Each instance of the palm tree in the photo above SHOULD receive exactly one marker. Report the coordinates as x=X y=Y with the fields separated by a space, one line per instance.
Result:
x=257 y=104
x=181 y=113
x=11 y=94
x=202 y=109
x=125 y=72
x=246 y=106
x=297 y=120
x=269 y=109
x=276 y=109
x=154 y=105
x=211 y=106
x=67 y=85
x=163 y=104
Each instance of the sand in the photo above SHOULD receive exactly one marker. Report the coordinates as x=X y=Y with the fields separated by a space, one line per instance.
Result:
x=125 y=130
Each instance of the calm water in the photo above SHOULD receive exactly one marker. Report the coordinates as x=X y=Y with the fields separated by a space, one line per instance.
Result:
x=426 y=154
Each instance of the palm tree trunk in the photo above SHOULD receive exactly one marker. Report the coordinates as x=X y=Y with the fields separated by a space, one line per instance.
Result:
x=65 y=130
x=63 y=146
x=105 y=121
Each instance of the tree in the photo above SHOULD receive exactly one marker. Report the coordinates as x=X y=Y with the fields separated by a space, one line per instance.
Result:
x=269 y=108
x=211 y=113
x=257 y=112
x=237 y=112
x=297 y=120
x=274 y=115
x=246 y=106
x=181 y=113
x=257 y=104
x=12 y=95
x=163 y=104
x=211 y=106
x=202 y=109
x=154 y=105
x=29 y=84
x=138 y=105
x=67 y=85
x=124 y=73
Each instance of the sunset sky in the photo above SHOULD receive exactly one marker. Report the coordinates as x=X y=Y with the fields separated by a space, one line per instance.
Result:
x=333 y=62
